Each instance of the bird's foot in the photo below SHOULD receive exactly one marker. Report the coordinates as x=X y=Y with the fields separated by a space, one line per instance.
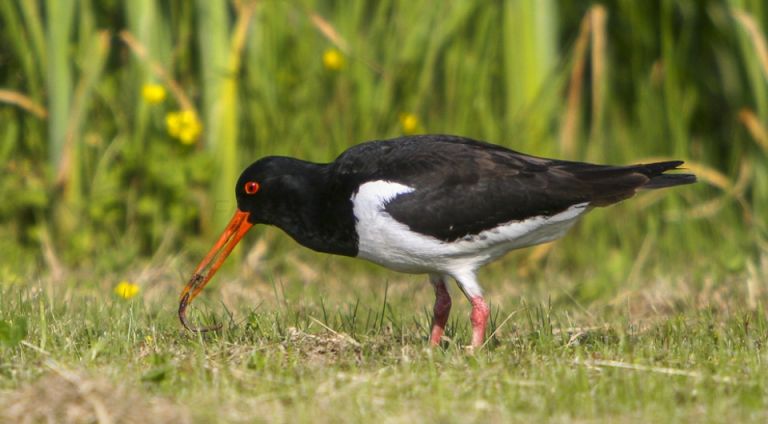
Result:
x=441 y=311
x=479 y=318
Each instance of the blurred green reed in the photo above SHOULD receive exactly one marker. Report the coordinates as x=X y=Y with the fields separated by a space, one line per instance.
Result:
x=90 y=164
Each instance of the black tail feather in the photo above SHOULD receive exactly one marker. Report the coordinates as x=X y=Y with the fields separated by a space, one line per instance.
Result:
x=669 y=180
x=658 y=178
x=613 y=184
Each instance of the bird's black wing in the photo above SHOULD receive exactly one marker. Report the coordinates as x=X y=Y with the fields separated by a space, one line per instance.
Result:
x=462 y=186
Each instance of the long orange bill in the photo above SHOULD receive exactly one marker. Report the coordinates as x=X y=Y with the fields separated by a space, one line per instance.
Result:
x=235 y=230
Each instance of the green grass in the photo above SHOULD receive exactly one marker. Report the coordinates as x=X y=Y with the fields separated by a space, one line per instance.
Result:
x=321 y=349
x=651 y=310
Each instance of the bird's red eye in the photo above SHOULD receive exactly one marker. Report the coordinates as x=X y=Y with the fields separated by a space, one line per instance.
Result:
x=251 y=187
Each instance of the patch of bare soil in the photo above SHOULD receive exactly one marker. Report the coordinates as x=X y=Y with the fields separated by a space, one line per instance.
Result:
x=63 y=396
x=323 y=348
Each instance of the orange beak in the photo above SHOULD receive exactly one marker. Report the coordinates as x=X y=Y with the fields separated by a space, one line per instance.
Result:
x=235 y=230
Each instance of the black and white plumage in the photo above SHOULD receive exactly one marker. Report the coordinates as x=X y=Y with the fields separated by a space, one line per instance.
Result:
x=435 y=204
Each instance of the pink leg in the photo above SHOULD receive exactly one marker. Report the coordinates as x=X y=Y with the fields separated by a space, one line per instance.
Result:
x=441 y=311
x=479 y=318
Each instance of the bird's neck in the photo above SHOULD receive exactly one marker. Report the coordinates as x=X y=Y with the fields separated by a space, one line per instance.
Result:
x=319 y=214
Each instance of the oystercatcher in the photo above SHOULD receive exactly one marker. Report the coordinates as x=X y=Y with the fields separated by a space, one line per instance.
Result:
x=433 y=204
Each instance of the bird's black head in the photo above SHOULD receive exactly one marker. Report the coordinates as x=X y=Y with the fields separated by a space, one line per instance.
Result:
x=274 y=188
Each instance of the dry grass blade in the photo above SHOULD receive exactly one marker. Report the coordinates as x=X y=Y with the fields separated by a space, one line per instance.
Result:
x=141 y=52
x=754 y=287
x=24 y=102
x=733 y=189
x=707 y=174
x=599 y=363
x=533 y=260
x=344 y=336
x=239 y=35
x=757 y=36
x=92 y=69
x=598 y=17
x=329 y=32
x=490 y=337
x=593 y=27
x=570 y=126
x=755 y=127
x=35 y=348
x=52 y=260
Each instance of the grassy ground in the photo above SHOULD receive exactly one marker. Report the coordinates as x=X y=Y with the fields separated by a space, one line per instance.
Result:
x=309 y=346
x=649 y=311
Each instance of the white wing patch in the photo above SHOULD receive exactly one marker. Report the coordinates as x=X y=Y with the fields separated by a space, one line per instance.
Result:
x=372 y=197
x=384 y=240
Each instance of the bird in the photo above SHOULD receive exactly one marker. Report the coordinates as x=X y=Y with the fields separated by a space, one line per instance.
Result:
x=433 y=204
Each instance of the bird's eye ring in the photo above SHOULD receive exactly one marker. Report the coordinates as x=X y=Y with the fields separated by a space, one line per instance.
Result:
x=251 y=187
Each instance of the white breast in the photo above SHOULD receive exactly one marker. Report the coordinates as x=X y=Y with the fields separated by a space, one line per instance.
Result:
x=385 y=241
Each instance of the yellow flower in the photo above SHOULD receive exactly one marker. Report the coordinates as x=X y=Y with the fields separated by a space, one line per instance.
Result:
x=126 y=289
x=333 y=60
x=173 y=123
x=153 y=93
x=410 y=124
x=184 y=125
